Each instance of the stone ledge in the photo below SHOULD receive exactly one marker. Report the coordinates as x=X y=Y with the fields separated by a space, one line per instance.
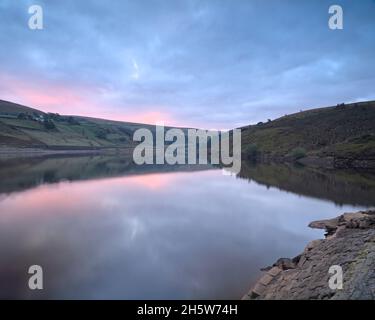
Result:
x=349 y=243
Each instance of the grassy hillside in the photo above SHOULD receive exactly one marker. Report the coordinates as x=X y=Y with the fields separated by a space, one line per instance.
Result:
x=343 y=131
x=21 y=126
x=10 y=108
x=346 y=131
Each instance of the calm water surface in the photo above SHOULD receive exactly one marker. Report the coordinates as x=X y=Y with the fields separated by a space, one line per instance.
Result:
x=102 y=228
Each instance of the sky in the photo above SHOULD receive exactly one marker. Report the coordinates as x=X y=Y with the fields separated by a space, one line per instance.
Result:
x=211 y=64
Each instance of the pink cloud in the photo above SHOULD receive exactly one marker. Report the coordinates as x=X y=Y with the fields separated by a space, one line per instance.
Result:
x=78 y=100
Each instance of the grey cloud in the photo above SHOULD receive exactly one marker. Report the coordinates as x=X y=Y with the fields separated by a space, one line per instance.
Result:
x=213 y=63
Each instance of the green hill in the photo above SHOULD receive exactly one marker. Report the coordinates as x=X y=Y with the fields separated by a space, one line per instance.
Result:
x=346 y=131
x=10 y=108
x=22 y=126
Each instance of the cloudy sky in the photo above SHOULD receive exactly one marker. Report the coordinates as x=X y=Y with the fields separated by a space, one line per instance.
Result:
x=202 y=63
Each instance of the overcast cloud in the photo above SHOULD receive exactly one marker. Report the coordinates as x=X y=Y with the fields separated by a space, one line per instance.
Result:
x=205 y=63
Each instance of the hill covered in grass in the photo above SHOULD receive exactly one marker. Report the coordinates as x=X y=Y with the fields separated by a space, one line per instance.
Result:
x=21 y=127
x=345 y=131
x=343 y=134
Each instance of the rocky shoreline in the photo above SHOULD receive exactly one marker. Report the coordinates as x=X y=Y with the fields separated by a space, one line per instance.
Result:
x=349 y=243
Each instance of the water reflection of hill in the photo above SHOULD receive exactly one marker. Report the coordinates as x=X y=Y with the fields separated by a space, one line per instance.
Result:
x=340 y=186
x=26 y=173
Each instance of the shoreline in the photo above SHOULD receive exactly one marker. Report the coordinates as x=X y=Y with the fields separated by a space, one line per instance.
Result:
x=7 y=152
x=13 y=152
x=326 y=162
x=349 y=243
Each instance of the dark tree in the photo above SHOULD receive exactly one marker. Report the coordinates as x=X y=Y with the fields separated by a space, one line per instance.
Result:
x=49 y=125
x=22 y=116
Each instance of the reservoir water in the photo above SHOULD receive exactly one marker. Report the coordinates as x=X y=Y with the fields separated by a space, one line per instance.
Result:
x=102 y=227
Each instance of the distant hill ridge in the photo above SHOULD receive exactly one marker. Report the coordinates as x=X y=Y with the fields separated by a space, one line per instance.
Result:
x=345 y=132
x=7 y=107
x=25 y=127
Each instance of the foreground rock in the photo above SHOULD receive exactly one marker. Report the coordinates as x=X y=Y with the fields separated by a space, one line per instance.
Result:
x=349 y=243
